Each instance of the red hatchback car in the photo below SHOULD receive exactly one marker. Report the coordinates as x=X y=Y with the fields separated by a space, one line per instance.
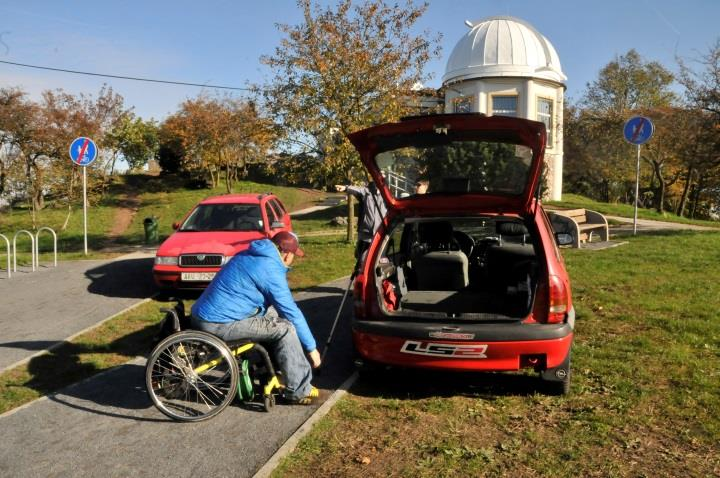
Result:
x=213 y=232
x=467 y=276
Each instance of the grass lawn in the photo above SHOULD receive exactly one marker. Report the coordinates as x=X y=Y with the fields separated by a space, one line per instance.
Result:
x=164 y=198
x=645 y=398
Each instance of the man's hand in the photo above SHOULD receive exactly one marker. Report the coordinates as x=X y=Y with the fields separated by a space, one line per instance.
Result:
x=340 y=188
x=314 y=357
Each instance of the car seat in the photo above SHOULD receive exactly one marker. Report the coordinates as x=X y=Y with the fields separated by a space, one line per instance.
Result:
x=439 y=268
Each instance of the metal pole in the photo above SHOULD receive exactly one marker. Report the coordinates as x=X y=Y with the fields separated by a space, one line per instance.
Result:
x=85 y=206
x=637 y=190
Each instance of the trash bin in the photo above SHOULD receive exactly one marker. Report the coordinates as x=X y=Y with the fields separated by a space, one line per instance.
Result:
x=151 y=230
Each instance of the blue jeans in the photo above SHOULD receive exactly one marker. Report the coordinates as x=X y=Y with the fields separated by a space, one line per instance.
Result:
x=279 y=335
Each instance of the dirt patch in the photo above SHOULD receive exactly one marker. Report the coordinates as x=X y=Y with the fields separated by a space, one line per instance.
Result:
x=127 y=208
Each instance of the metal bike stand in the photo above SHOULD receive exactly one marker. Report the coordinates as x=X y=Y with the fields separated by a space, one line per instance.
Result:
x=7 y=242
x=37 y=245
x=32 y=249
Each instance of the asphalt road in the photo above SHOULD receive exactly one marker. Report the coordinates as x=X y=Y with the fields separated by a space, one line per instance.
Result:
x=43 y=308
x=107 y=427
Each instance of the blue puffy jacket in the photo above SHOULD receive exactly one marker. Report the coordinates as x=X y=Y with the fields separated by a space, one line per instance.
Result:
x=247 y=285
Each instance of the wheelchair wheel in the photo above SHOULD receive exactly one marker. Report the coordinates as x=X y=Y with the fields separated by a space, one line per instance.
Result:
x=191 y=376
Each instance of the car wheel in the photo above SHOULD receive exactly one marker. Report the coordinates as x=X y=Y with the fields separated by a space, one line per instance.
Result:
x=556 y=381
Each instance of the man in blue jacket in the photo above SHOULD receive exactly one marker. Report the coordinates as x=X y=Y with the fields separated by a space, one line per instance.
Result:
x=250 y=299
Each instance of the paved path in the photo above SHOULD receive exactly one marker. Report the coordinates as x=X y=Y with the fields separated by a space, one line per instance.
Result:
x=43 y=308
x=647 y=225
x=107 y=427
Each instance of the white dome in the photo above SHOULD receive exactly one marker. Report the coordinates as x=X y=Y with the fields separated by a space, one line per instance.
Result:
x=502 y=47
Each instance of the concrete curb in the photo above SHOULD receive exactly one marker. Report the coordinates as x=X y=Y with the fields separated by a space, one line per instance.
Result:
x=304 y=429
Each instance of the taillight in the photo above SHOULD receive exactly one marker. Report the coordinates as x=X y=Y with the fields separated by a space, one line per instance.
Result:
x=559 y=300
x=358 y=299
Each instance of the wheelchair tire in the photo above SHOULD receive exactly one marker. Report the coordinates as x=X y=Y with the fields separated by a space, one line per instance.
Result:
x=191 y=376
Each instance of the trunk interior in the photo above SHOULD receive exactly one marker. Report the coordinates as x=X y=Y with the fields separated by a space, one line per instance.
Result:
x=481 y=268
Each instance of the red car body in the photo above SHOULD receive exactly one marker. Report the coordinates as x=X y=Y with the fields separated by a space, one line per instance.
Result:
x=495 y=296
x=211 y=233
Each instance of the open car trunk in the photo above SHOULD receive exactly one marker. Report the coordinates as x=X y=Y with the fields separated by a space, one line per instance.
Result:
x=458 y=268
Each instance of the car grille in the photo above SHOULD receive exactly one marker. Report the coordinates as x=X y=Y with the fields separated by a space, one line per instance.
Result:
x=200 y=260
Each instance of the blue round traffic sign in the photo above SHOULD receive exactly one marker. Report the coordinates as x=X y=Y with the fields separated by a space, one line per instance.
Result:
x=83 y=151
x=638 y=129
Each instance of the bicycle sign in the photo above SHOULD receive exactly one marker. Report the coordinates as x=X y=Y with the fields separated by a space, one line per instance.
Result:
x=83 y=151
x=638 y=130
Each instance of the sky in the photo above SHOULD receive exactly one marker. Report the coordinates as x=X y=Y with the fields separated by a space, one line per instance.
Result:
x=220 y=42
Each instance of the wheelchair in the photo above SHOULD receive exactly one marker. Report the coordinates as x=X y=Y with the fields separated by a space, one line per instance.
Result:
x=192 y=375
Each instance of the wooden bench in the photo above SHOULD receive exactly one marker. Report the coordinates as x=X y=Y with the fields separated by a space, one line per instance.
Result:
x=582 y=224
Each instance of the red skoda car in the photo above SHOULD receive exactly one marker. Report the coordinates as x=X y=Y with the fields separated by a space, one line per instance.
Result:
x=468 y=275
x=213 y=232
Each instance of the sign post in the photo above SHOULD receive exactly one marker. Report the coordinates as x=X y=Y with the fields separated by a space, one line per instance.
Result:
x=83 y=152
x=637 y=131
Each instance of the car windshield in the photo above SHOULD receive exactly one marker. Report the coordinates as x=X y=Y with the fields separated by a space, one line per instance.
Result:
x=224 y=217
x=455 y=166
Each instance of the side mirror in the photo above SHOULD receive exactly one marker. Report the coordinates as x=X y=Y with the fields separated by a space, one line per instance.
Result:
x=563 y=239
x=277 y=225
x=176 y=225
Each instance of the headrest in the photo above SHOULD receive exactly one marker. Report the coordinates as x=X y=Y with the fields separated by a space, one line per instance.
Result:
x=508 y=228
x=435 y=232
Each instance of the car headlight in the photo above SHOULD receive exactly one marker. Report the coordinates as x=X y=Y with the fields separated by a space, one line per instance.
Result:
x=166 y=260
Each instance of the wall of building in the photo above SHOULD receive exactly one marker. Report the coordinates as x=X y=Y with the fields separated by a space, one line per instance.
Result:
x=477 y=96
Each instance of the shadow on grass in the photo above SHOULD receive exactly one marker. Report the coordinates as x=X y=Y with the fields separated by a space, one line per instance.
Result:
x=412 y=384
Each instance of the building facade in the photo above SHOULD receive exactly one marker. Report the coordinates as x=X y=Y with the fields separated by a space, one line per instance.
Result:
x=504 y=66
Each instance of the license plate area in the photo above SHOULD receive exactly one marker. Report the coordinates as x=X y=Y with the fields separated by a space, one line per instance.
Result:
x=197 y=276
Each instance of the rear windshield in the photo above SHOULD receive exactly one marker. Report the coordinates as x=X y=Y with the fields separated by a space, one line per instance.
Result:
x=469 y=166
x=224 y=217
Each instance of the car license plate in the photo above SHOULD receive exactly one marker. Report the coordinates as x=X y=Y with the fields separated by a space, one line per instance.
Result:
x=197 y=276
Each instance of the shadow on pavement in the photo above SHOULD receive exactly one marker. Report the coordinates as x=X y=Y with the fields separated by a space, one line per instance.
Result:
x=30 y=344
x=131 y=278
x=121 y=396
x=72 y=363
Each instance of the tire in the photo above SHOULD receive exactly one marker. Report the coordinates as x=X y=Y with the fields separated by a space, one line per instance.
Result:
x=191 y=376
x=556 y=381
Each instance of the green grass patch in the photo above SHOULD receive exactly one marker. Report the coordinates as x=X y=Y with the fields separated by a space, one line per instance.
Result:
x=645 y=397
x=166 y=198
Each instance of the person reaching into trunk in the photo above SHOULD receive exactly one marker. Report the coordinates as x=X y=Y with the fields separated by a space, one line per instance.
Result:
x=372 y=212
x=250 y=299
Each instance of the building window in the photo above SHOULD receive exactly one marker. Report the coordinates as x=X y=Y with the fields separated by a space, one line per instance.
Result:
x=462 y=104
x=545 y=115
x=504 y=105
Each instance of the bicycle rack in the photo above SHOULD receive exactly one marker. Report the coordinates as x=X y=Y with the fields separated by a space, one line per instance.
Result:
x=37 y=245
x=7 y=242
x=32 y=249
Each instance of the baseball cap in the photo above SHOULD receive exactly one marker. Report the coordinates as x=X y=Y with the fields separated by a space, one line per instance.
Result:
x=288 y=242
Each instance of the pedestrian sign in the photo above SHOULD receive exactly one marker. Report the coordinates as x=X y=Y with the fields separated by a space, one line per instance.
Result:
x=638 y=130
x=83 y=151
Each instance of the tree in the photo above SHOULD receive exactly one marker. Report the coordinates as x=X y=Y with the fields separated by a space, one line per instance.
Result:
x=218 y=135
x=343 y=69
x=597 y=158
x=629 y=83
x=702 y=92
x=136 y=140
x=702 y=87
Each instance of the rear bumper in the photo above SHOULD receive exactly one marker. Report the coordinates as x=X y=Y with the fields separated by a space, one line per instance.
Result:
x=483 y=347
